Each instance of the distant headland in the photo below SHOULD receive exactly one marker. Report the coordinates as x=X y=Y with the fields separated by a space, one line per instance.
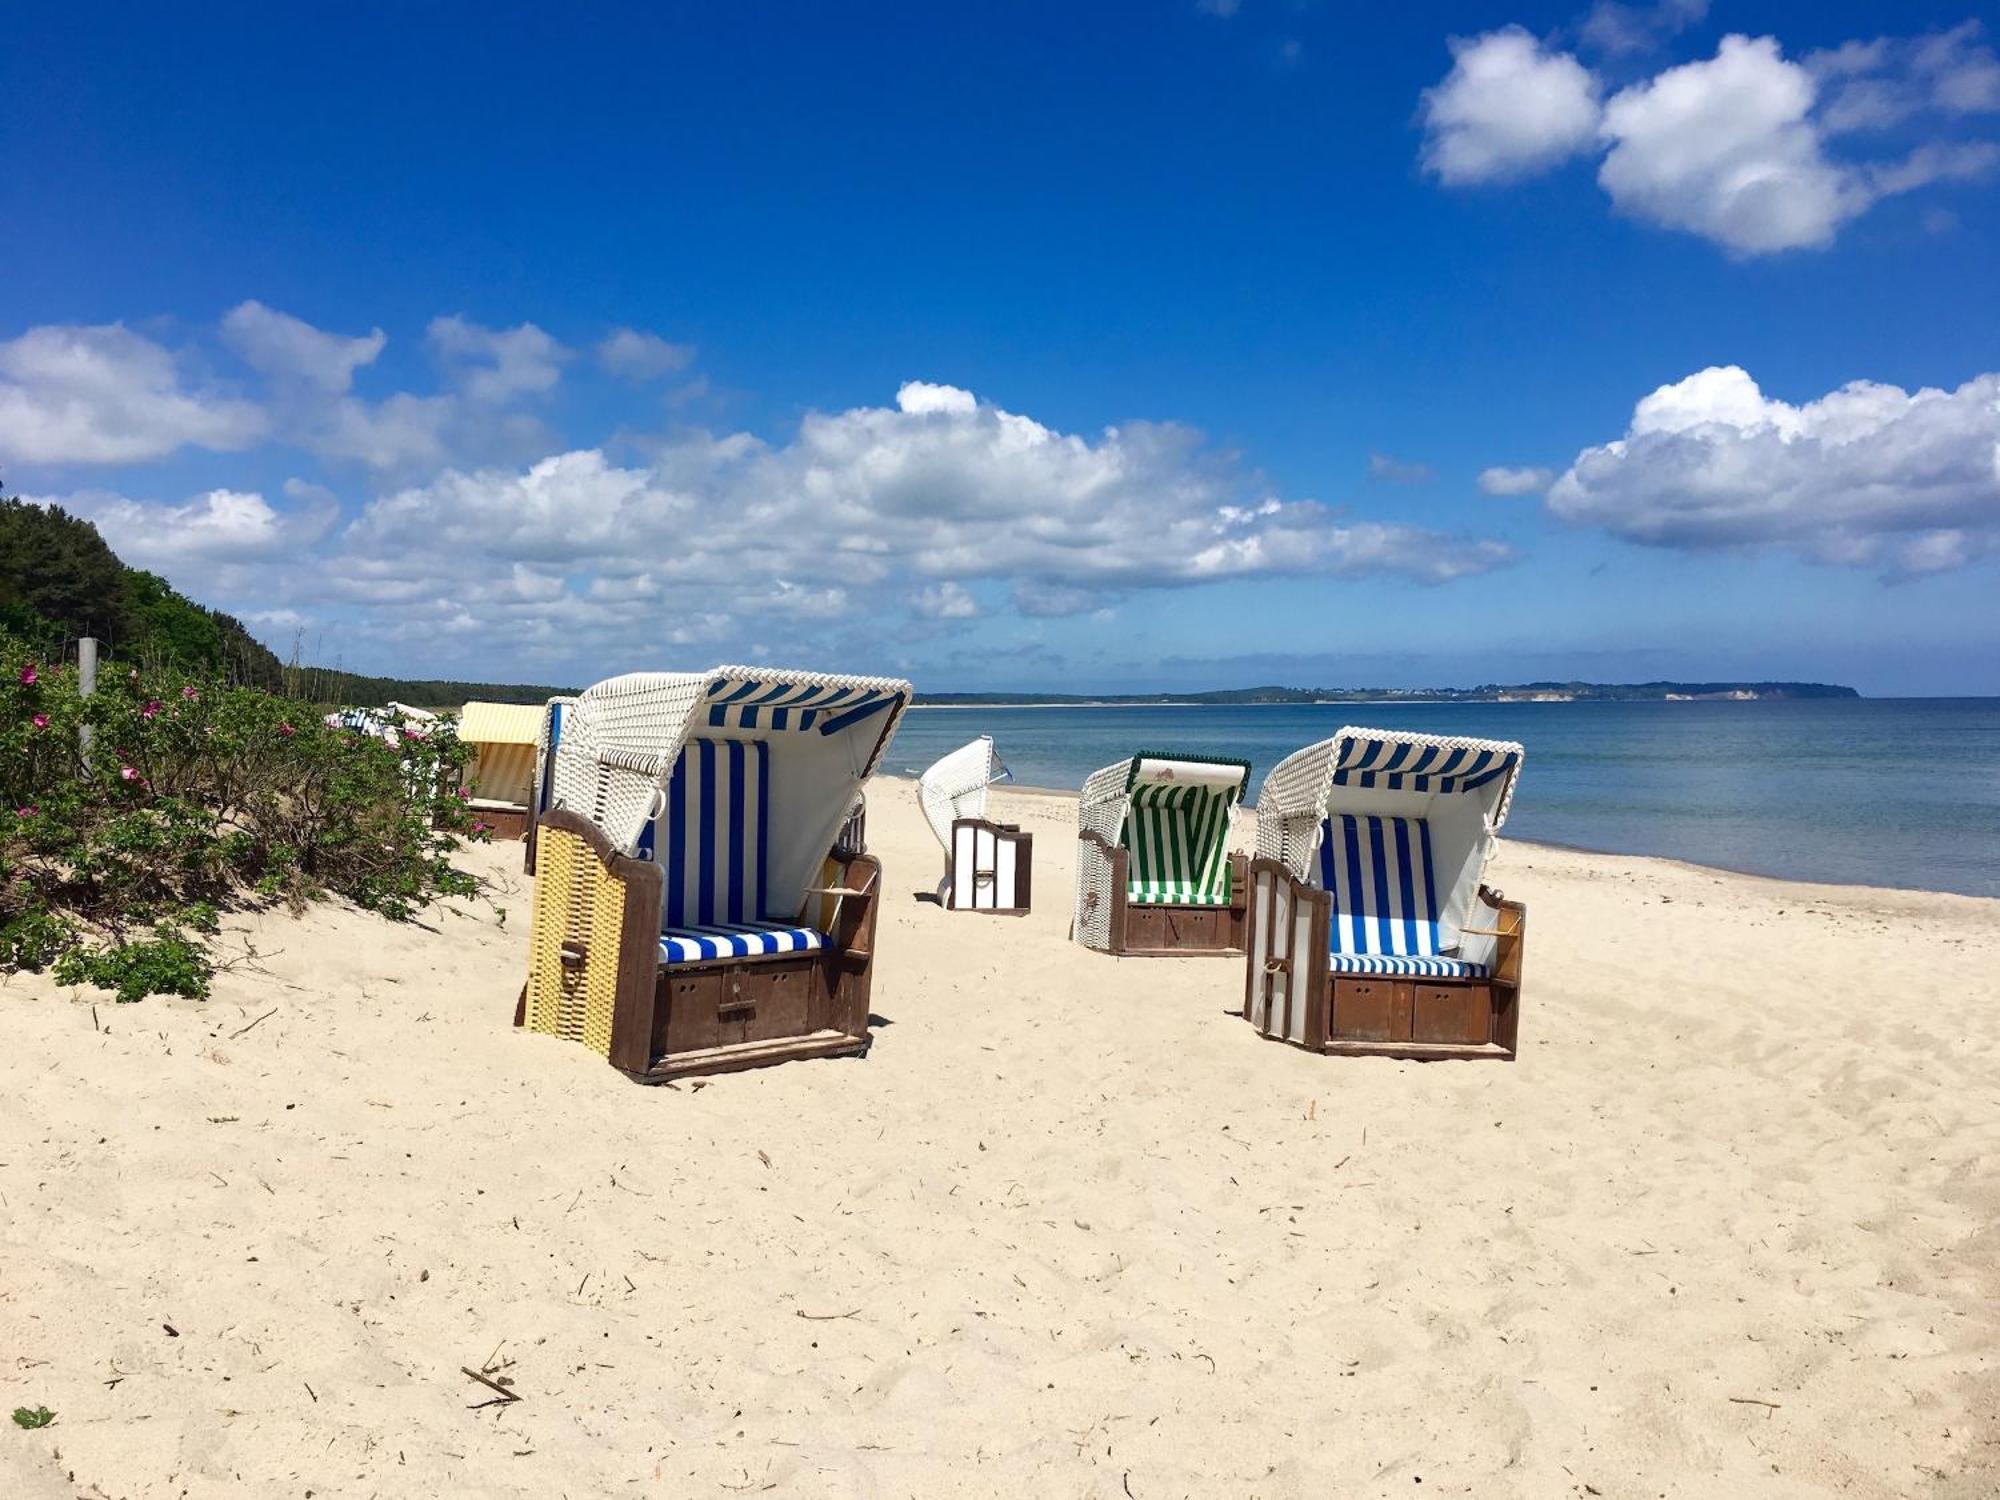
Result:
x=1524 y=692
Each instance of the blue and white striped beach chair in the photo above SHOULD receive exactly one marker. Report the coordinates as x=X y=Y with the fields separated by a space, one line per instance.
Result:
x=1370 y=927
x=688 y=914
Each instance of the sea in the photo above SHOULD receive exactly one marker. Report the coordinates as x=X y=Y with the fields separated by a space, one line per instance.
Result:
x=1870 y=791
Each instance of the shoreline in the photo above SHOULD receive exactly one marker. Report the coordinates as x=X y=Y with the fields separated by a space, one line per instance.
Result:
x=1695 y=866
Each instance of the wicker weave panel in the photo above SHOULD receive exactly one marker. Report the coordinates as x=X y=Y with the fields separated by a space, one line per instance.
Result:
x=576 y=901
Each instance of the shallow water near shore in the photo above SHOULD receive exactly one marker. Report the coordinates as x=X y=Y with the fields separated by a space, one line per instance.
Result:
x=1874 y=791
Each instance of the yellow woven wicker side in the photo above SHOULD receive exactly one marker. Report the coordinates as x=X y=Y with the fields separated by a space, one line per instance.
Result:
x=600 y=971
x=577 y=902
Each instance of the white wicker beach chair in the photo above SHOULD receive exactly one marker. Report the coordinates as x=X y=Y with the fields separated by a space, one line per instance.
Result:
x=987 y=865
x=1370 y=930
x=688 y=915
x=1154 y=874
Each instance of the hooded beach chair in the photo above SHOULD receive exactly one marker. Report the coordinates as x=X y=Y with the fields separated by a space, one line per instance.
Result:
x=1370 y=928
x=1154 y=874
x=987 y=865
x=688 y=915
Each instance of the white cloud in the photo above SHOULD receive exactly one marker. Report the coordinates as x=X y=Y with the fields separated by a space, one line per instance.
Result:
x=1868 y=475
x=1733 y=148
x=1509 y=107
x=219 y=527
x=1724 y=148
x=1619 y=29
x=106 y=395
x=1391 y=470
x=1500 y=480
x=633 y=355
x=945 y=601
x=1882 y=83
x=919 y=396
x=496 y=365
x=287 y=349
x=921 y=499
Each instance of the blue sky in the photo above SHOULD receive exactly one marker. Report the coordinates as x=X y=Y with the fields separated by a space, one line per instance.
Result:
x=1105 y=347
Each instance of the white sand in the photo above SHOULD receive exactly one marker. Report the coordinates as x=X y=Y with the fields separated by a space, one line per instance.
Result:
x=1071 y=1229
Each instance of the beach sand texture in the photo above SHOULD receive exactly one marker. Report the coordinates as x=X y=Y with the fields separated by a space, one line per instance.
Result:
x=1071 y=1229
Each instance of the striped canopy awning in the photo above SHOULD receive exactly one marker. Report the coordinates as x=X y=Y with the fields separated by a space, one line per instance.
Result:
x=750 y=703
x=1398 y=764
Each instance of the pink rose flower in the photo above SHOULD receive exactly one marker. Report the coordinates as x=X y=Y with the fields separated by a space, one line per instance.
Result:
x=26 y=812
x=29 y=676
x=151 y=710
x=189 y=693
x=286 y=730
x=127 y=773
x=41 y=721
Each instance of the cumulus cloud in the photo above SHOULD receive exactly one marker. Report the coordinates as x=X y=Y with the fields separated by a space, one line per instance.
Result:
x=497 y=364
x=940 y=487
x=1724 y=148
x=1509 y=107
x=218 y=527
x=944 y=601
x=107 y=395
x=1734 y=148
x=1868 y=475
x=288 y=349
x=631 y=354
x=1501 y=480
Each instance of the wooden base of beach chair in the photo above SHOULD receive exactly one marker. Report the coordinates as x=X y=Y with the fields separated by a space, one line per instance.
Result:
x=503 y=824
x=1171 y=931
x=1291 y=994
x=595 y=974
x=989 y=868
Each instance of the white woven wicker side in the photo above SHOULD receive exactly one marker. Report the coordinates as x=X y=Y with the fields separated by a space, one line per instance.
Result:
x=1100 y=810
x=1291 y=805
x=955 y=787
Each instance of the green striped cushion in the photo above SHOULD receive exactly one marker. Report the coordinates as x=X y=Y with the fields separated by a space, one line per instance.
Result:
x=1179 y=842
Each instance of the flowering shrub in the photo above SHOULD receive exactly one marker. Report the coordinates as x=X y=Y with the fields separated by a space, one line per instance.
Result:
x=195 y=795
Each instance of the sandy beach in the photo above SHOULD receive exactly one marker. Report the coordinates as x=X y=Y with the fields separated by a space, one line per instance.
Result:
x=1071 y=1229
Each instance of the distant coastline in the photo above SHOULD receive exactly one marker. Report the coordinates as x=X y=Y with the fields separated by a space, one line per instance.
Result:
x=1529 y=692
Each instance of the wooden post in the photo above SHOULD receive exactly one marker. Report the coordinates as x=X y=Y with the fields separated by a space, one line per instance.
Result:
x=86 y=684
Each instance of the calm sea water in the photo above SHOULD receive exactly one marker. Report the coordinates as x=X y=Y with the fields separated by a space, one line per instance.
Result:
x=1894 y=791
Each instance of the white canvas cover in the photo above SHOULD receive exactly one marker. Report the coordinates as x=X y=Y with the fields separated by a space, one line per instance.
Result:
x=825 y=734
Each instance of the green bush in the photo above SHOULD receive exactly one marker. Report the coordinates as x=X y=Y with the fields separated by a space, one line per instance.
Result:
x=196 y=795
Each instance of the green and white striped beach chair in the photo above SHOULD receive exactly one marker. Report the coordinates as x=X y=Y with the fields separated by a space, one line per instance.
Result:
x=1154 y=872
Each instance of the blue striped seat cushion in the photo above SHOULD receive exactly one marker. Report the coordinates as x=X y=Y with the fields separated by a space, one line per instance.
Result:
x=690 y=945
x=1385 y=900
x=1436 y=968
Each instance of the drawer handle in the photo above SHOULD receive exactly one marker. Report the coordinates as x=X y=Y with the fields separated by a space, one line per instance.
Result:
x=574 y=954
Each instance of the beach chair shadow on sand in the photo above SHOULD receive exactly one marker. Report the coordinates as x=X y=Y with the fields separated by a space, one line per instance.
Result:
x=1371 y=930
x=1154 y=875
x=988 y=866
x=689 y=917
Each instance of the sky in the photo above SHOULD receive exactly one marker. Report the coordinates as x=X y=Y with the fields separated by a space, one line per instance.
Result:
x=1110 y=347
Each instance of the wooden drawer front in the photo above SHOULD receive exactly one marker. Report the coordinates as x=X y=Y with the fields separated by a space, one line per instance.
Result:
x=1371 y=1010
x=742 y=1003
x=1461 y=1013
x=1194 y=927
x=1145 y=927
